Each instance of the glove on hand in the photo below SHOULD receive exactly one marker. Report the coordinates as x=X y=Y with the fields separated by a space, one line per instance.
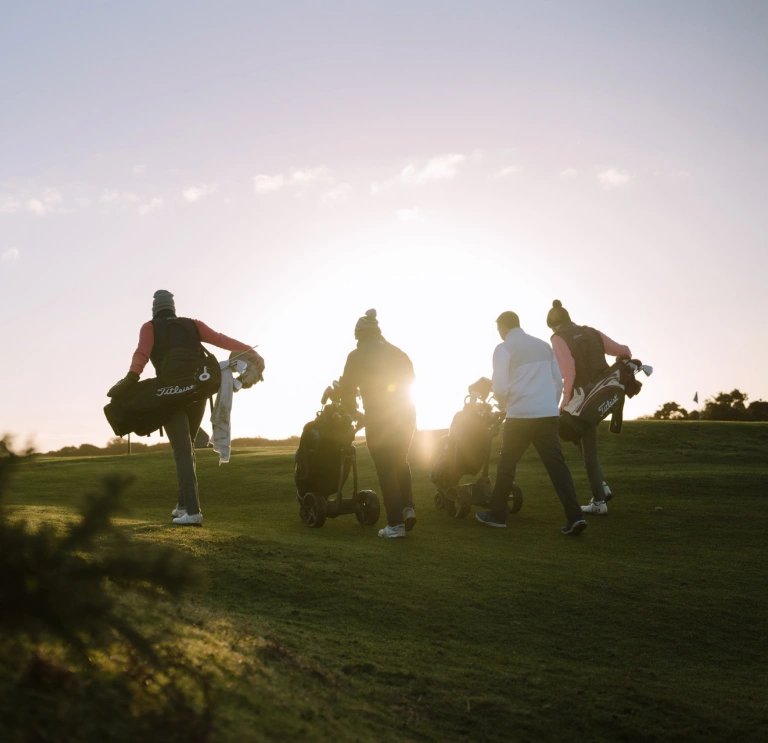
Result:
x=123 y=385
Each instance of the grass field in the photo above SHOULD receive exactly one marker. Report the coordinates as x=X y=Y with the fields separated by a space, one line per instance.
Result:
x=650 y=626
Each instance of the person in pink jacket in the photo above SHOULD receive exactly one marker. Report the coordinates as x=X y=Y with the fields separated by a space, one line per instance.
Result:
x=580 y=352
x=163 y=334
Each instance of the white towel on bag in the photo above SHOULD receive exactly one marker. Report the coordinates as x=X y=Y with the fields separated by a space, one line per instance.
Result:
x=221 y=438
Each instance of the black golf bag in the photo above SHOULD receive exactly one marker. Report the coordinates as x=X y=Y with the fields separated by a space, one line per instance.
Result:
x=588 y=406
x=184 y=379
x=466 y=450
x=322 y=464
x=318 y=464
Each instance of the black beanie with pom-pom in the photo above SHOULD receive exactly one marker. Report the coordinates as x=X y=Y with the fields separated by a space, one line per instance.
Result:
x=557 y=315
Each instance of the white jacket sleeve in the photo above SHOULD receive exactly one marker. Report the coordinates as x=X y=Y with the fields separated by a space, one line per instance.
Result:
x=501 y=373
x=557 y=378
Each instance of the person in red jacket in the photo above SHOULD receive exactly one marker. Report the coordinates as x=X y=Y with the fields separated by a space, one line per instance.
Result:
x=580 y=352
x=157 y=338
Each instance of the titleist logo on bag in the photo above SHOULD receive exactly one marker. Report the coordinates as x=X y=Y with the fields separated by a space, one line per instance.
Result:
x=176 y=390
x=608 y=404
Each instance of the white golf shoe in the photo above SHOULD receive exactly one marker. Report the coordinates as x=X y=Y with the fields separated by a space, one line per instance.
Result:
x=178 y=511
x=409 y=517
x=599 y=507
x=195 y=519
x=607 y=491
x=392 y=532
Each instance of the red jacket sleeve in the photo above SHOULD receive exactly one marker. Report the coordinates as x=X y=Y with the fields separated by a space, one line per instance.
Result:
x=615 y=349
x=208 y=335
x=144 y=349
x=567 y=365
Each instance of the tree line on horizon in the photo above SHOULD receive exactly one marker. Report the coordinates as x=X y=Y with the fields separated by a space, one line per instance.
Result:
x=725 y=406
x=118 y=445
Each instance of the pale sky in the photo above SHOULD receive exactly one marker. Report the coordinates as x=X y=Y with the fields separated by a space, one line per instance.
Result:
x=282 y=168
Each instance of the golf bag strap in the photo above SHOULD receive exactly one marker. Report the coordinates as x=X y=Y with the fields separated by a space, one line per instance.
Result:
x=617 y=418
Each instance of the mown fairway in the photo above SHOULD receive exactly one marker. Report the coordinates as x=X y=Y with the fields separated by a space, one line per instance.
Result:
x=650 y=626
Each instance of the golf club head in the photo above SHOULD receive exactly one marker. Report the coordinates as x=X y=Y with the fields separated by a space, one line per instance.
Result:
x=326 y=395
x=648 y=370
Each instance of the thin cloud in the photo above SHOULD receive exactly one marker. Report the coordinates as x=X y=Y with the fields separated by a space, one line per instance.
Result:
x=267 y=183
x=10 y=205
x=195 y=193
x=139 y=169
x=35 y=206
x=9 y=255
x=613 y=178
x=46 y=203
x=442 y=167
x=569 y=173
x=505 y=172
x=302 y=178
x=150 y=206
x=112 y=196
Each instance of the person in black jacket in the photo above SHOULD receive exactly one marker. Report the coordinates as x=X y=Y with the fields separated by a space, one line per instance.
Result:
x=384 y=374
x=172 y=342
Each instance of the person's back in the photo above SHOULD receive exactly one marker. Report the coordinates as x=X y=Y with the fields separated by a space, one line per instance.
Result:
x=176 y=341
x=526 y=380
x=383 y=374
x=525 y=376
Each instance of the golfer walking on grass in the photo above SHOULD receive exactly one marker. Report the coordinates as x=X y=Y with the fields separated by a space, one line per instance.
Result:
x=580 y=352
x=527 y=381
x=160 y=339
x=384 y=375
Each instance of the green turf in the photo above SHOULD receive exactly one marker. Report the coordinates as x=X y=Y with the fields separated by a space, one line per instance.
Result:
x=650 y=626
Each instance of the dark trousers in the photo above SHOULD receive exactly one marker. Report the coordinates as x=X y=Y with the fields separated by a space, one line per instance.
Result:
x=181 y=428
x=388 y=442
x=518 y=435
x=587 y=446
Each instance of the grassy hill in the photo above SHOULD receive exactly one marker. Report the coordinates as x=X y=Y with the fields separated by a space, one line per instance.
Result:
x=651 y=626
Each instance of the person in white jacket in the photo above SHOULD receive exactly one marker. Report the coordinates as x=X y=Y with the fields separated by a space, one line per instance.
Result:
x=527 y=381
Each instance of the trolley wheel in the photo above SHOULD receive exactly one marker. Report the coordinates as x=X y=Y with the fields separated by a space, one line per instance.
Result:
x=439 y=500
x=515 y=501
x=313 y=511
x=368 y=508
x=456 y=509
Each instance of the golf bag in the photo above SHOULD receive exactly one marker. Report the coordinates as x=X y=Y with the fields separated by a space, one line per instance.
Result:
x=317 y=462
x=322 y=464
x=588 y=406
x=184 y=379
x=464 y=450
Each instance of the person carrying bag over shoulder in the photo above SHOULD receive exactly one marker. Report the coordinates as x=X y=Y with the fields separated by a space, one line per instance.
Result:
x=580 y=352
x=174 y=346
